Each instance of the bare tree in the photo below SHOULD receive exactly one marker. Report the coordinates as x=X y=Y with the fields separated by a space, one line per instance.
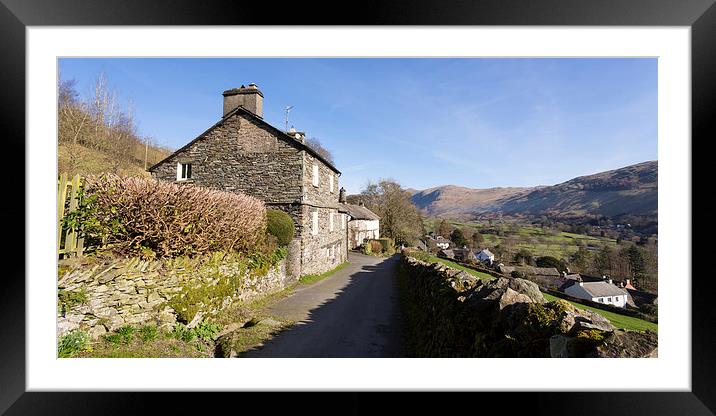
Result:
x=318 y=147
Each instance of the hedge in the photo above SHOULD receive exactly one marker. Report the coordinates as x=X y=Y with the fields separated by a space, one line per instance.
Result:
x=140 y=216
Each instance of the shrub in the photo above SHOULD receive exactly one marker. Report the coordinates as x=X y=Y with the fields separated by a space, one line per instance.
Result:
x=366 y=248
x=72 y=343
x=517 y=274
x=135 y=214
x=376 y=247
x=280 y=225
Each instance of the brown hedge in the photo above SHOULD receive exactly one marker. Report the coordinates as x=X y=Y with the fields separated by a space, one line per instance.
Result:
x=133 y=214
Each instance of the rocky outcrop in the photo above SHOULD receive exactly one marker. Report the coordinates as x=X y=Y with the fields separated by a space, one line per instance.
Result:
x=454 y=314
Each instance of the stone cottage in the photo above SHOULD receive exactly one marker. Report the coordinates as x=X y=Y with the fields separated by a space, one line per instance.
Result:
x=243 y=153
x=362 y=223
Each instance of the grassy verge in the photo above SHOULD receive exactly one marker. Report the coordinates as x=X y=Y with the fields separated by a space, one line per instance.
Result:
x=313 y=278
x=619 y=321
x=481 y=275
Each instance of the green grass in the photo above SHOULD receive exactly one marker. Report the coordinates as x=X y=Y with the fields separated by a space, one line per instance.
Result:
x=539 y=241
x=481 y=275
x=619 y=321
x=313 y=278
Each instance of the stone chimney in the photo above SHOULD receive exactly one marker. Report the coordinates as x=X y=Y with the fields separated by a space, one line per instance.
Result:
x=251 y=98
x=342 y=195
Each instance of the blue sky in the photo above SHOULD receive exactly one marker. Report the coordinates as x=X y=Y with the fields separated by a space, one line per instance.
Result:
x=471 y=122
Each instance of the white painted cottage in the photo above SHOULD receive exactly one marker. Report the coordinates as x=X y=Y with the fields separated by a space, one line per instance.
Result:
x=485 y=256
x=602 y=291
x=362 y=223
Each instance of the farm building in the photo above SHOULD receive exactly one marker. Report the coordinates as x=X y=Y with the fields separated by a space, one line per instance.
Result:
x=243 y=153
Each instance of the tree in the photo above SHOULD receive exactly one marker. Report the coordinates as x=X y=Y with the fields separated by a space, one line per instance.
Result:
x=458 y=237
x=604 y=261
x=399 y=218
x=444 y=229
x=637 y=264
x=523 y=256
x=318 y=147
x=580 y=259
x=477 y=239
x=549 y=261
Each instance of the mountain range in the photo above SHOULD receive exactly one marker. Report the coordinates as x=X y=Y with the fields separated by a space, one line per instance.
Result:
x=627 y=191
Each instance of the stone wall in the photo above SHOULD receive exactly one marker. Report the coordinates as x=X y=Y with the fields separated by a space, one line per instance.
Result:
x=454 y=314
x=240 y=155
x=134 y=291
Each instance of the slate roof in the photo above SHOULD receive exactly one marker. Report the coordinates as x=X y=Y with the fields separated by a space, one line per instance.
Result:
x=358 y=212
x=597 y=289
x=486 y=252
x=280 y=134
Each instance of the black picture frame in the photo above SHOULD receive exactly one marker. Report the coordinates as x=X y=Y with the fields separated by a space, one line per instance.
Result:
x=16 y=15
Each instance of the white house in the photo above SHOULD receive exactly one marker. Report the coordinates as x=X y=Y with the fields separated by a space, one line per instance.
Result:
x=602 y=291
x=442 y=243
x=361 y=222
x=485 y=256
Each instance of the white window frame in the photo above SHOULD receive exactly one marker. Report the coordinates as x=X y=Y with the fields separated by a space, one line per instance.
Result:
x=330 y=182
x=180 y=171
x=314 y=222
x=330 y=222
x=316 y=182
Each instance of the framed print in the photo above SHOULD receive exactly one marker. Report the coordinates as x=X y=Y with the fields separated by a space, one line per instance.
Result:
x=408 y=199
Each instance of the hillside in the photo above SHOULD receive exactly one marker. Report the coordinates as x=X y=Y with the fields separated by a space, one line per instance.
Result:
x=631 y=190
x=451 y=200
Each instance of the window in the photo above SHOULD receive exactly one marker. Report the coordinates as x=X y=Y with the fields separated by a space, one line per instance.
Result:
x=609 y=299
x=314 y=222
x=183 y=171
x=315 y=175
x=330 y=222
x=330 y=182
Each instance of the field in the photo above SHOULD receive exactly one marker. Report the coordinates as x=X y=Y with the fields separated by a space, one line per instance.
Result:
x=539 y=241
x=481 y=275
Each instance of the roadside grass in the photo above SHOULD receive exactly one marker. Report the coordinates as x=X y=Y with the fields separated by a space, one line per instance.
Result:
x=146 y=342
x=252 y=337
x=619 y=321
x=481 y=275
x=313 y=278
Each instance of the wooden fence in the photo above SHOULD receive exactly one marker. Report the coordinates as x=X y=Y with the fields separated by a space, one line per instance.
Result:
x=68 y=242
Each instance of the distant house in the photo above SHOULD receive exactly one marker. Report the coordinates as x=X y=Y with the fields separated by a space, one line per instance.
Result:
x=443 y=243
x=485 y=256
x=447 y=254
x=362 y=223
x=464 y=254
x=602 y=291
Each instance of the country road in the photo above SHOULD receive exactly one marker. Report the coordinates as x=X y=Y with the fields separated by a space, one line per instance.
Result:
x=353 y=313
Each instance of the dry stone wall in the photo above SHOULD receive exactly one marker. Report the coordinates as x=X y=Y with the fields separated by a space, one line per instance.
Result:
x=454 y=314
x=134 y=291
